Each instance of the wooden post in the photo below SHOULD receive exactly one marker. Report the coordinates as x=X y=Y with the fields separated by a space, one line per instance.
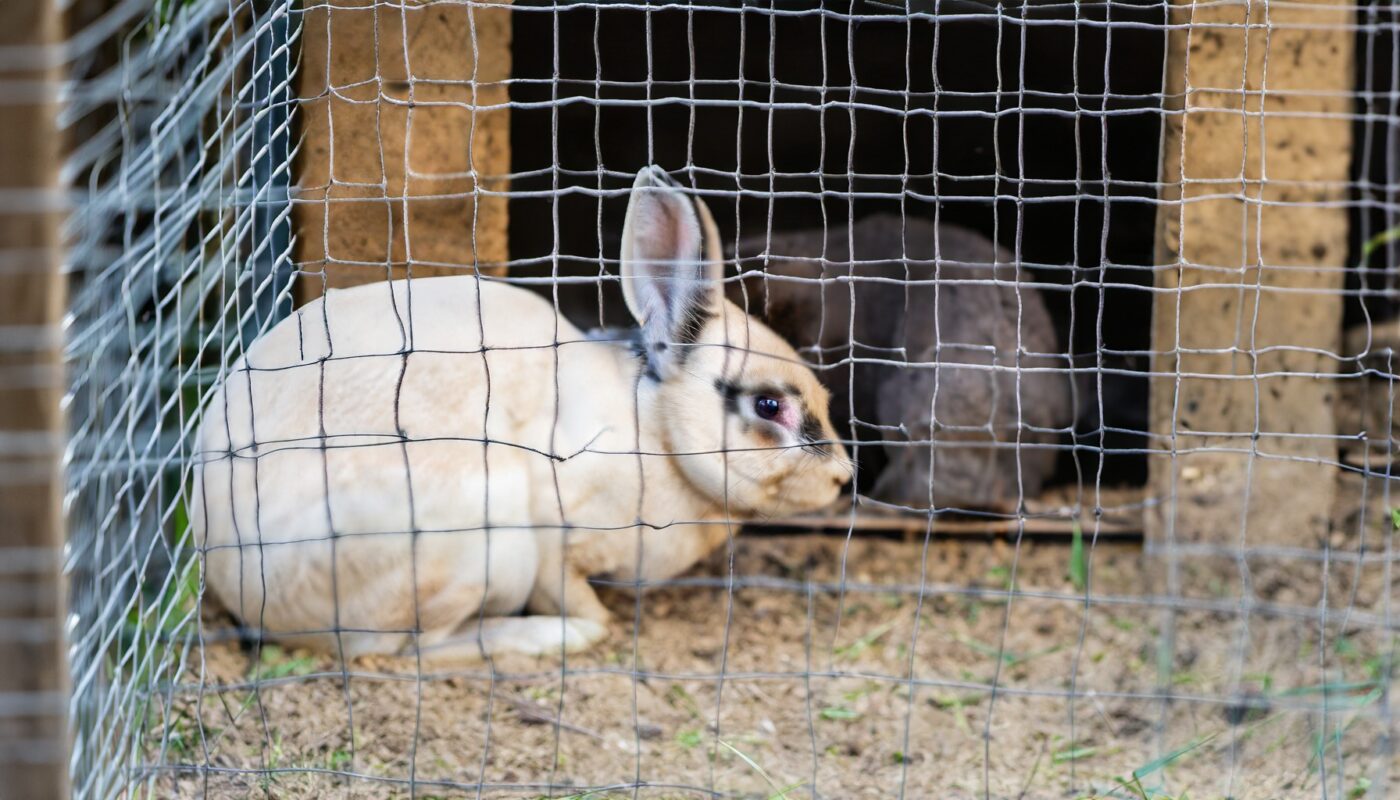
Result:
x=1252 y=240
x=398 y=142
x=33 y=674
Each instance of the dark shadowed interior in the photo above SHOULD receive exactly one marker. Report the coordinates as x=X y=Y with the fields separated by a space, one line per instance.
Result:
x=964 y=119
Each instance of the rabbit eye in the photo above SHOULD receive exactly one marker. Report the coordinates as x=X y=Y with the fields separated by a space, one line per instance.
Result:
x=767 y=407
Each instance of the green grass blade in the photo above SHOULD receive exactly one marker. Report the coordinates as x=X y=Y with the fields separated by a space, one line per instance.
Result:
x=1377 y=242
x=1075 y=754
x=781 y=794
x=863 y=643
x=1166 y=760
x=1078 y=568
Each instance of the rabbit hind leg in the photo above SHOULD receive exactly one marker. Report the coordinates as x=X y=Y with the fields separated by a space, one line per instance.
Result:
x=436 y=618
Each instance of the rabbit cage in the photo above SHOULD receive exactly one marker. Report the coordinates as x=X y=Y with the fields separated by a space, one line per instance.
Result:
x=1102 y=292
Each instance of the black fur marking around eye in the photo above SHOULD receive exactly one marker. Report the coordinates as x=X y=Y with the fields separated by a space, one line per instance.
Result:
x=731 y=392
x=812 y=433
x=771 y=389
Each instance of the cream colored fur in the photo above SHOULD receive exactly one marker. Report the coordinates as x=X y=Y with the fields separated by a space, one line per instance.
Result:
x=393 y=466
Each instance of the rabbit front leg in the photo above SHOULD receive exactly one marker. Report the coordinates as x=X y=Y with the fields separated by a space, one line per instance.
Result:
x=562 y=588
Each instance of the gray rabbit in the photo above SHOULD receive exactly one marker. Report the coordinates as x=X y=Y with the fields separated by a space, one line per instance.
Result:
x=912 y=344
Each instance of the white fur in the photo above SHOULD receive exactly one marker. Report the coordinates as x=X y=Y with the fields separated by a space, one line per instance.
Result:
x=439 y=466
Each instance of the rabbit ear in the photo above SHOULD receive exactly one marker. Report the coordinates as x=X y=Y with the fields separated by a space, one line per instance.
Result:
x=671 y=267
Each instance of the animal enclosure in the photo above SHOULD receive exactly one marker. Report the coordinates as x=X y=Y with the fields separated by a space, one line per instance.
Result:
x=1093 y=303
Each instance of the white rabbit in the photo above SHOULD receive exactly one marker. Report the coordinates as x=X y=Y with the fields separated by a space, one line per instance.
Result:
x=413 y=463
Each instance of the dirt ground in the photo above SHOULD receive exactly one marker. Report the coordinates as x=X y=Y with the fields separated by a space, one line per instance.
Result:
x=789 y=687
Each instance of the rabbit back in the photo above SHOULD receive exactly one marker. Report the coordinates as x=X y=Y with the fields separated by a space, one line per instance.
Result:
x=309 y=533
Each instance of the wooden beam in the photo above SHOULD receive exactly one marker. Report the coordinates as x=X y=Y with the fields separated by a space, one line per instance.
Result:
x=1252 y=243
x=33 y=674
x=1056 y=514
x=405 y=126
x=914 y=526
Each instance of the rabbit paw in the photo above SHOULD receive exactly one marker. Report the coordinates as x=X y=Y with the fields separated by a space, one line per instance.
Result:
x=535 y=636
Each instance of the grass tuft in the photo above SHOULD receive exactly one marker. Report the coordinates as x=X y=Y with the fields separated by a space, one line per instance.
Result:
x=1078 y=566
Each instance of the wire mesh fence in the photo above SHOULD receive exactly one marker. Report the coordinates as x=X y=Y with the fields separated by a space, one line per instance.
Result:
x=1042 y=352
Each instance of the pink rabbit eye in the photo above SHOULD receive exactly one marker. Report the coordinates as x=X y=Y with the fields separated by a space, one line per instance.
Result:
x=767 y=407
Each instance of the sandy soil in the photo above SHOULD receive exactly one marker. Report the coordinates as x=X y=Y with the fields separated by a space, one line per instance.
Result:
x=789 y=687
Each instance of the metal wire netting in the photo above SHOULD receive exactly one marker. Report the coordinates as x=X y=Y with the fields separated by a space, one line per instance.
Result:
x=986 y=229
x=178 y=255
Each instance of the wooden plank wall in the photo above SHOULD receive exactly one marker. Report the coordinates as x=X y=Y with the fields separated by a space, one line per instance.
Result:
x=398 y=144
x=1252 y=241
x=33 y=674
